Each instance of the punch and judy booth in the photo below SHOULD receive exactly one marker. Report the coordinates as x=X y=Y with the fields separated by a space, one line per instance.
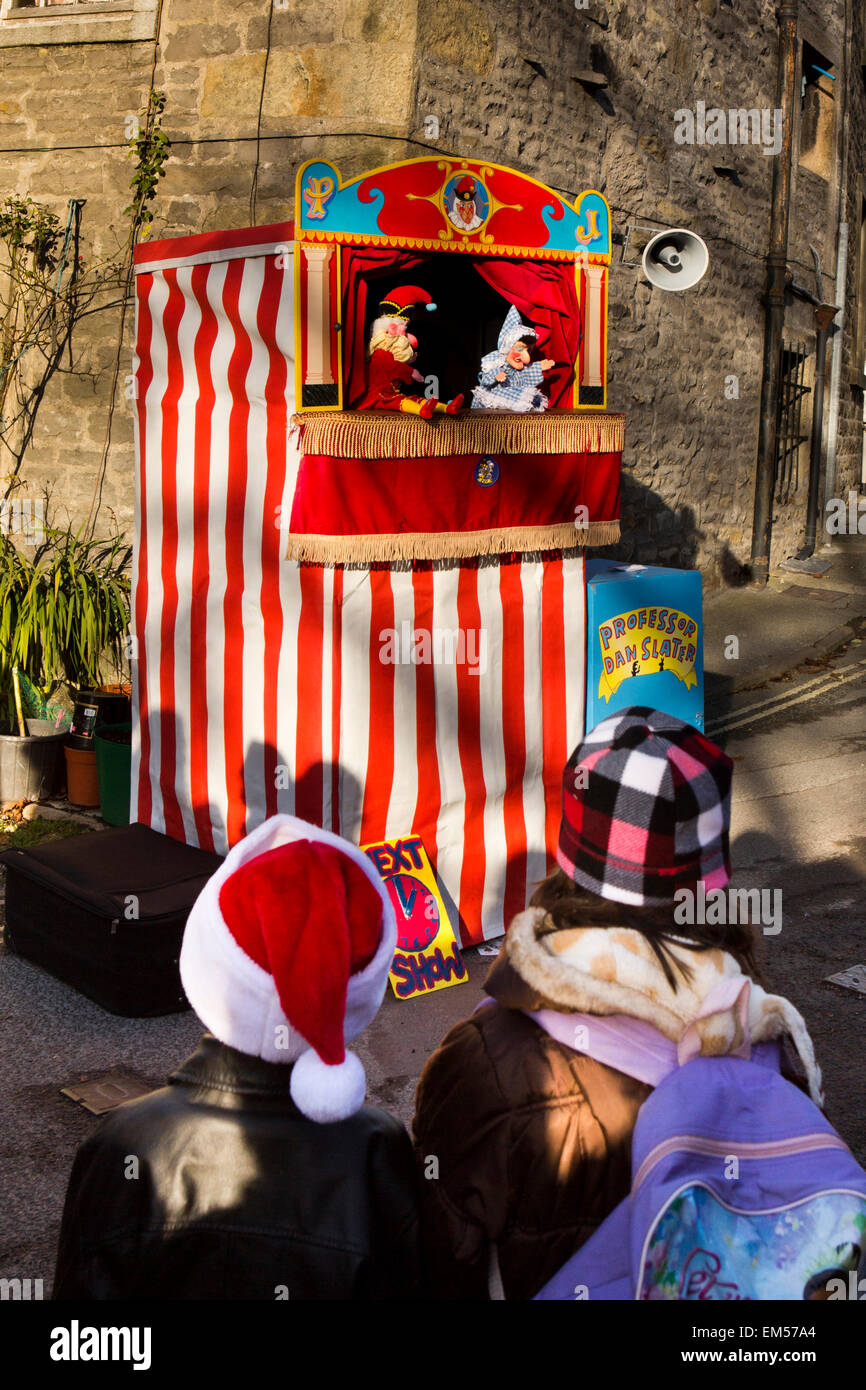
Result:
x=366 y=617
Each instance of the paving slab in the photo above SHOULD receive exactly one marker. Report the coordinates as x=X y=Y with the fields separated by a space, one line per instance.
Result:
x=756 y=635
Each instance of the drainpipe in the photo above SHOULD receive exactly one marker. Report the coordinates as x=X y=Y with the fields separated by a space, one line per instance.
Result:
x=824 y=316
x=848 y=58
x=774 y=298
x=836 y=362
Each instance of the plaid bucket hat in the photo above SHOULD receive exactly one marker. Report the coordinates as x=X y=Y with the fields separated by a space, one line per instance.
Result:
x=646 y=809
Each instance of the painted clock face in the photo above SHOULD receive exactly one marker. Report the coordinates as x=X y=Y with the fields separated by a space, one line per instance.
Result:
x=417 y=912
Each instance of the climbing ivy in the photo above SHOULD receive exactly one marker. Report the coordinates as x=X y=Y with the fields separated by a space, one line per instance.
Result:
x=149 y=147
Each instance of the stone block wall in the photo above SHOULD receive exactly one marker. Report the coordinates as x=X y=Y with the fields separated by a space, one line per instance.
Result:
x=849 y=465
x=339 y=79
x=686 y=368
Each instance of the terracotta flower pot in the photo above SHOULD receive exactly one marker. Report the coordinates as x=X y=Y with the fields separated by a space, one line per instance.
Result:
x=82 y=781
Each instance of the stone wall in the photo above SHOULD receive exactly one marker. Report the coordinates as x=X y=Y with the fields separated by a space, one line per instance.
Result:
x=576 y=96
x=691 y=431
x=339 y=78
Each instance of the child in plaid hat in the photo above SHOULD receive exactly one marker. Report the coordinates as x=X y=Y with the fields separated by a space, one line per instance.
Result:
x=601 y=989
x=645 y=810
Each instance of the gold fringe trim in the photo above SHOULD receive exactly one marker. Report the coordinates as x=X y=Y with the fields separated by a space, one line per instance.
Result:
x=472 y=248
x=379 y=434
x=425 y=545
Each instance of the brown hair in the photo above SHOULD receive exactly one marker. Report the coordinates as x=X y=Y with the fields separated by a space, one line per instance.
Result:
x=569 y=905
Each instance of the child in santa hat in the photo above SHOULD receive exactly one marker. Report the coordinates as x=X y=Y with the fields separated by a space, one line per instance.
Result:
x=258 y=1171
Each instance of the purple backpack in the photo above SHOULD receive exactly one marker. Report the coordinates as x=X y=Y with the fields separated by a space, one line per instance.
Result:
x=741 y=1189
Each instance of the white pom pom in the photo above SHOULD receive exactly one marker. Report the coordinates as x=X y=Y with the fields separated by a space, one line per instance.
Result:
x=324 y=1093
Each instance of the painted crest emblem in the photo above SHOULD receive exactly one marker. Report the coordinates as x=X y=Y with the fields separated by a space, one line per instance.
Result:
x=317 y=193
x=486 y=471
x=465 y=202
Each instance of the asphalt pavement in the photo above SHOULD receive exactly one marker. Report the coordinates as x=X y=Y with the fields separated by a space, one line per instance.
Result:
x=798 y=827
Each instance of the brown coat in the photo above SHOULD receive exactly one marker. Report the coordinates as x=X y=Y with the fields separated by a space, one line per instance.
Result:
x=532 y=1140
x=533 y=1143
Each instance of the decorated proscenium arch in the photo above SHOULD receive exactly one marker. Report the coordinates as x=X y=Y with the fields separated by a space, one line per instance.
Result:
x=411 y=203
x=434 y=204
x=492 y=243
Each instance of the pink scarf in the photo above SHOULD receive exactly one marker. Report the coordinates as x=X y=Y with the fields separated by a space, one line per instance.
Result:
x=632 y=1046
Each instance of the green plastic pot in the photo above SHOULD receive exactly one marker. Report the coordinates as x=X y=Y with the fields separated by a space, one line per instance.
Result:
x=113 y=745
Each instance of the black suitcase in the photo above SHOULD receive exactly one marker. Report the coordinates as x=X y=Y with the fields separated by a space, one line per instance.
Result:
x=105 y=912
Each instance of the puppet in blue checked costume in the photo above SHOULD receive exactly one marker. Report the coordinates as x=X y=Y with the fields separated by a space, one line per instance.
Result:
x=508 y=380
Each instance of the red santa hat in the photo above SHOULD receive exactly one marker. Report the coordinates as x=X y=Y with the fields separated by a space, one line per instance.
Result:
x=286 y=955
x=400 y=302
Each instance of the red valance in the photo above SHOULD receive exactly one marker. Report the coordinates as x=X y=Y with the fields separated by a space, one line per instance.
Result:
x=409 y=508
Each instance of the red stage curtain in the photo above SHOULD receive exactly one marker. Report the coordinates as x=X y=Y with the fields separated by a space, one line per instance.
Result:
x=545 y=294
x=359 y=263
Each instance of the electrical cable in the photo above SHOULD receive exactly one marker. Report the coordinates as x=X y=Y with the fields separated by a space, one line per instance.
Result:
x=96 y=498
x=255 y=183
x=366 y=135
x=707 y=236
x=241 y=139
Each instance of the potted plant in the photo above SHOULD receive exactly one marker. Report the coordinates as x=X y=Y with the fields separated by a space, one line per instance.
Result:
x=31 y=758
x=85 y=637
x=64 y=616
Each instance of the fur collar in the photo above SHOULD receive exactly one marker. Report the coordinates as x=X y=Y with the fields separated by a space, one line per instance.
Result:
x=613 y=970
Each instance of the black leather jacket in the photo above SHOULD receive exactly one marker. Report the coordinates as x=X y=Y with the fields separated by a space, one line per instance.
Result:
x=217 y=1187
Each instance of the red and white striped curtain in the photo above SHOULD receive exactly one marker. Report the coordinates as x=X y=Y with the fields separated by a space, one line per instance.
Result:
x=260 y=685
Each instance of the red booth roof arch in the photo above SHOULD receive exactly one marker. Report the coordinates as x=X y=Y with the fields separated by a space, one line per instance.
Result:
x=412 y=204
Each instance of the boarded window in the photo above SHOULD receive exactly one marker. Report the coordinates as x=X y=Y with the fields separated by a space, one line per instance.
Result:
x=817 y=113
